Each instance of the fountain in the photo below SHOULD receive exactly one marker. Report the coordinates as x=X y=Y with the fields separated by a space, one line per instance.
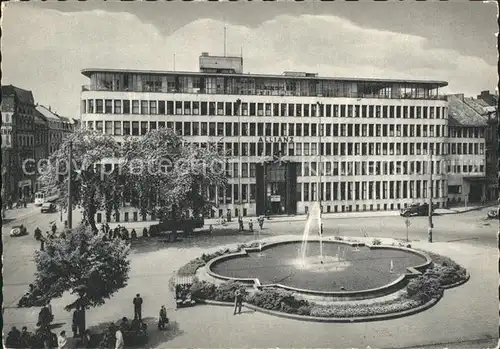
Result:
x=314 y=215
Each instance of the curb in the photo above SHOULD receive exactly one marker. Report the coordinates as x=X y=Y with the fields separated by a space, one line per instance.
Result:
x=379 y=317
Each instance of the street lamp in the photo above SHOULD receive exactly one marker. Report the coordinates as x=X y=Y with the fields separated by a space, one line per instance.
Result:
x=238 y=112
x=431 y=225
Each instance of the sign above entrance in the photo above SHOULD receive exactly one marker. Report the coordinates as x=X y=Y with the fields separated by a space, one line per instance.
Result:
x=276 y=140
x=275 y=198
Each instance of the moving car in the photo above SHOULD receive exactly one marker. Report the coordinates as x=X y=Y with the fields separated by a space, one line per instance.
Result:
x=18 y=230
x=415 y=210
x=48 y=207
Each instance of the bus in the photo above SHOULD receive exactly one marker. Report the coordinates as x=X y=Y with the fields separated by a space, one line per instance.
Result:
x=44 y=196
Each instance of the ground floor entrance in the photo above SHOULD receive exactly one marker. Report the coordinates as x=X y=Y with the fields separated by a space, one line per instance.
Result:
x=276 y=184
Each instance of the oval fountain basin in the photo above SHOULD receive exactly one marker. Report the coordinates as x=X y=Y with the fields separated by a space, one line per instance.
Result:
x=342 y=268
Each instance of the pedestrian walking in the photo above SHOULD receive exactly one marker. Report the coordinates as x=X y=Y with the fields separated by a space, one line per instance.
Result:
x=119 y=339
x=163 y=320
x=145 y=232
x=250 y=225
x=240 y=221
x=261 y=222
x=138 y=307
x=238 y=302
x=38 y=234
x=54 y=228
x=133 y=234
x=80 y=320
x=74 y=323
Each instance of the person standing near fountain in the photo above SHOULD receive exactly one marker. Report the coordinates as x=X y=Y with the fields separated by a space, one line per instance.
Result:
x=261 y=222
x=238 y=301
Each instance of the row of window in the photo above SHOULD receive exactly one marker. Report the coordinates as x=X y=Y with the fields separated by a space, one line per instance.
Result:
x=466 y=132
x=153 y=107
x=363 y=168
x=228 y=129
x=336 y=191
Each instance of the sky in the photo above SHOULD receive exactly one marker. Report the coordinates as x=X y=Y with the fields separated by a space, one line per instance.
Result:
x=45 y=45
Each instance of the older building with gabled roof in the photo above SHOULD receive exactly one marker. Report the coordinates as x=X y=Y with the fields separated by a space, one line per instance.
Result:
x=18 y=128
x=469 y=163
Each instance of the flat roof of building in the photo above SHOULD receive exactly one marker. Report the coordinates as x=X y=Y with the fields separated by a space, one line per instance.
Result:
x=89 y=71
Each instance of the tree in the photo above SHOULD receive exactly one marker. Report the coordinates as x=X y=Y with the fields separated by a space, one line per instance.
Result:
x=93 y=185
x=83 y=263
x=166 y=177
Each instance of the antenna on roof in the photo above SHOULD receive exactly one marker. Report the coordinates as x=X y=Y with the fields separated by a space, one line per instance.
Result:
x=241 y=53
x=225 y=28
x=174 y=61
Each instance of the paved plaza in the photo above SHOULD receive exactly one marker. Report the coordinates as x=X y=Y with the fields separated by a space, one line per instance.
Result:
x=467 y=313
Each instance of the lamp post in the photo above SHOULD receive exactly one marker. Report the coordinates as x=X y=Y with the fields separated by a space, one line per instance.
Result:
x=238 y=112
x=70 y=199
x=431 y=225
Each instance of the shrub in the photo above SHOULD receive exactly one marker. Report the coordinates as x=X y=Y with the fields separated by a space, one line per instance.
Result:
x=203 y=290
x=445 y=270
x=225 y=292
x=424 y=288
x=376 y=242
x=304 y=310
x=191 y=267
x=276 y=299
x=446 y=275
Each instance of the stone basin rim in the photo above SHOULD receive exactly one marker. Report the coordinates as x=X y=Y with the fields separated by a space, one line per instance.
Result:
x=387 y=289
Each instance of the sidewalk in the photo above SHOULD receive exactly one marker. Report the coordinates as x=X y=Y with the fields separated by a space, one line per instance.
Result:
x=463 y=209
x=20 y=213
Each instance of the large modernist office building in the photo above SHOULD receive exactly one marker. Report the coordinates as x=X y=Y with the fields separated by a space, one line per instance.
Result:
x=291 y=139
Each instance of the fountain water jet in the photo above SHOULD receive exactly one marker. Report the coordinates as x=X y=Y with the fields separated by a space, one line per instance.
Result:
x=314 y=214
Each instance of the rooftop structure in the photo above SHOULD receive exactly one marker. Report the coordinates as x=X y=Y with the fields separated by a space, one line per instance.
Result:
x=224 y=75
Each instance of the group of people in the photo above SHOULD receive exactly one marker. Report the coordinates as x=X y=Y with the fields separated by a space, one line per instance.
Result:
x=52 y=234
x=43 y=336
x=260 y=220
x=120 y=232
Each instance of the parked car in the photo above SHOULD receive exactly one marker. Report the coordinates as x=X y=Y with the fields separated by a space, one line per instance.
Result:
x=48 y=207
x=185 y=225
x=18 y=230
x=415 y=210
x=493 y=214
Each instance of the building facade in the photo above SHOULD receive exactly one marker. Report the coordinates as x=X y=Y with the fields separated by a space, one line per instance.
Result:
x=18 y=134
x=41 y=140
x=467 y=180
x=291 y=139
x=57 y=127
